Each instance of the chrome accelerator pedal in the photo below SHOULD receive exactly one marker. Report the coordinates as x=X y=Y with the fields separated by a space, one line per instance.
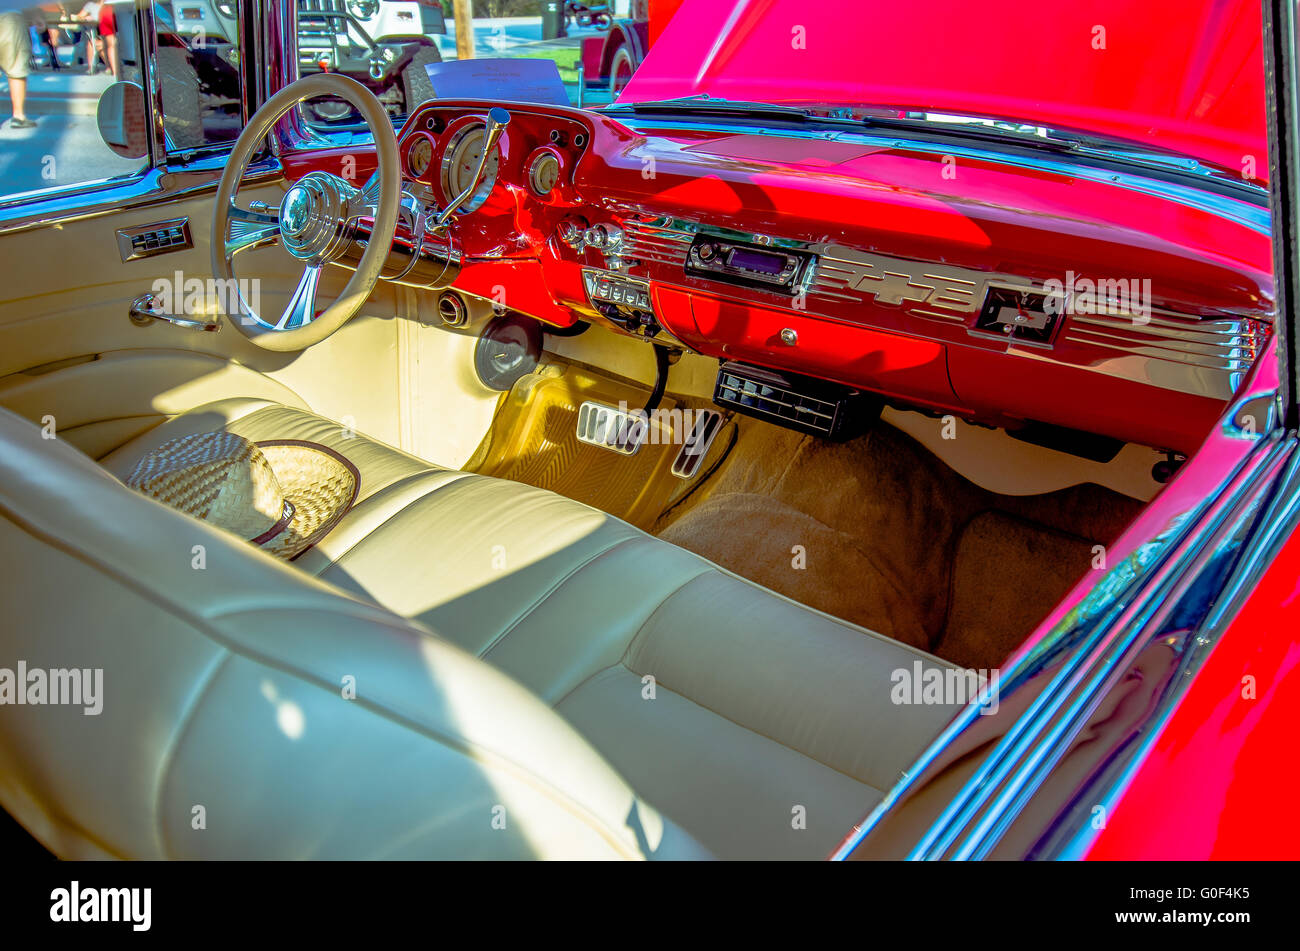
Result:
x=611 y=428
x=705 y=425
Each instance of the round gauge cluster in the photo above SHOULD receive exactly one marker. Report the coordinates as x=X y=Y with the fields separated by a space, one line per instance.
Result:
x=543 y=172
x=418 y=155
x=460 y=161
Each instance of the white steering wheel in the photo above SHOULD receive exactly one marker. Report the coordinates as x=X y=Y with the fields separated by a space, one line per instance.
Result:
x=314 y=221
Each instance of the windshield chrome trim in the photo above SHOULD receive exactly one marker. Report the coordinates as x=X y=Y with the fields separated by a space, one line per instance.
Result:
x=1139 y=625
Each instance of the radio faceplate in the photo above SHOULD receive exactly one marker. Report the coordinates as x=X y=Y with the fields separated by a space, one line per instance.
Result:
x=781 y=270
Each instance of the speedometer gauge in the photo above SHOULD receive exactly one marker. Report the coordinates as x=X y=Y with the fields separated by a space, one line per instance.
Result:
x=460 y=162
x=543 y=172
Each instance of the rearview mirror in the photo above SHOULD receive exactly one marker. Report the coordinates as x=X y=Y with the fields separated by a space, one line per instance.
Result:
x=120 y=116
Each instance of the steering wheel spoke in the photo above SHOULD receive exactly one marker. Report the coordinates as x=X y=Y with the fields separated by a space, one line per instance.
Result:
x=301 y=309
x=250 y=229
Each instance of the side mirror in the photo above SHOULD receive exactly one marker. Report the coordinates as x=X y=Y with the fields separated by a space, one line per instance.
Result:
x=121 y=119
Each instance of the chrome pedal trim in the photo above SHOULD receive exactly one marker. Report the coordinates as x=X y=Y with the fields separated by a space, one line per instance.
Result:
x=705 y=426
x=609 y=427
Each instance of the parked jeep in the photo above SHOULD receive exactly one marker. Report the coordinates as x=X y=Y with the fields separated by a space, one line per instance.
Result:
x=384 y=44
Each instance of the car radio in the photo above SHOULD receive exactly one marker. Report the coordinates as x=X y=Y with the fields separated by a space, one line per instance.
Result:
x=751 y=265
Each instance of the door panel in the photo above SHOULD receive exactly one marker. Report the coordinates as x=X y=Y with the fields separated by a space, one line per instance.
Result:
x=68 y=349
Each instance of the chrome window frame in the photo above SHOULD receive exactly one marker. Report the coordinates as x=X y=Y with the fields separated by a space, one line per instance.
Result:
x=165 y=177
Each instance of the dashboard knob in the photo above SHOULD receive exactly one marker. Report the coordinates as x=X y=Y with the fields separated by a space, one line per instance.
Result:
x=573 y=233
x=707 y=252
x=789 y=336
x=603 y=236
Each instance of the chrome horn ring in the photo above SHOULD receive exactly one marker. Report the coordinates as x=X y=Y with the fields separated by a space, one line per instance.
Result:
x=313 y=221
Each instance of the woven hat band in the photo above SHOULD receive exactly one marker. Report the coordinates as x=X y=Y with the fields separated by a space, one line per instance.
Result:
x=286 y=516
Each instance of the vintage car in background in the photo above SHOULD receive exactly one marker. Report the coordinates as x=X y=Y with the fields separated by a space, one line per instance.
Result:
x=806 y=455
x=610 y=60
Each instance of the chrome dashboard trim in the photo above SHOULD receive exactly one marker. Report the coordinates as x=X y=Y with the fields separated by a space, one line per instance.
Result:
x=1202 y=356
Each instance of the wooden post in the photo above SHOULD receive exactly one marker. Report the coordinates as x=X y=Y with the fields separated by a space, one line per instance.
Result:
x=464 y=29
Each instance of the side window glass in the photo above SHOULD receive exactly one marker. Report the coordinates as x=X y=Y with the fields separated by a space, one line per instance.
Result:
x=57 y=61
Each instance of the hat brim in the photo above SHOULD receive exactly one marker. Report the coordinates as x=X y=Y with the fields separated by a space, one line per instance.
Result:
x=318 y=482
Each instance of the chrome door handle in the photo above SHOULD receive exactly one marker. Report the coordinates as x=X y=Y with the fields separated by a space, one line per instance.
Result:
x=143 y=312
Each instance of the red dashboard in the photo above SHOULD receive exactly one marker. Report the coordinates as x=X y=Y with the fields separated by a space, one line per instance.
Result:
x=916 y=272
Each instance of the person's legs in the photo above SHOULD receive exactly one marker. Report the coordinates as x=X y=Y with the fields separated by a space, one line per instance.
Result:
x=110 y=44
x=15 y=54
x=18 y=96
x=51 y=43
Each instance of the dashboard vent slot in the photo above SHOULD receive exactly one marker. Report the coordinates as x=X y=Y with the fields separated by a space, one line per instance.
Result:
x=797 y=402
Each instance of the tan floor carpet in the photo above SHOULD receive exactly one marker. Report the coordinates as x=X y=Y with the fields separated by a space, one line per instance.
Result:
x=879 y=532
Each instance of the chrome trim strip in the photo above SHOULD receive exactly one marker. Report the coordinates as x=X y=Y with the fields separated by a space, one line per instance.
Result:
x=1202 y=356
x=1045 y=741
x=155 y=187
x=1275 y=524
x=148 y=40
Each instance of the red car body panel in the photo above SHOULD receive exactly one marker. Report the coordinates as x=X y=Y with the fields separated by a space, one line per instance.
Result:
x=1220 y=782
x=1186 y=75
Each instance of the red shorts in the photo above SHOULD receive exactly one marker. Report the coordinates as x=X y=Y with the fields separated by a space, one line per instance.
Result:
x=107 y=24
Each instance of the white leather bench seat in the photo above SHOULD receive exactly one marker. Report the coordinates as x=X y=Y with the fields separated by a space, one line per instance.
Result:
x=698 y=713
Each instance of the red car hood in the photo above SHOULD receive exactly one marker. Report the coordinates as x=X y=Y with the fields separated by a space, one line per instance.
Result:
x=1184 y=75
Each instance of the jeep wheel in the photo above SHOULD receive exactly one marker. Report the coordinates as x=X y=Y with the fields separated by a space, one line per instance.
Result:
x=180 y=95
x=415 y=79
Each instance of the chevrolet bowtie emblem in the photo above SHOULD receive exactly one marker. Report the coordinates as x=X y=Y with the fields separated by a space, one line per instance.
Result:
x=892 y=287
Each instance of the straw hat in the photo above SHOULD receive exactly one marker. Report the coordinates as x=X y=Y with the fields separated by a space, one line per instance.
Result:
x=284 y=495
